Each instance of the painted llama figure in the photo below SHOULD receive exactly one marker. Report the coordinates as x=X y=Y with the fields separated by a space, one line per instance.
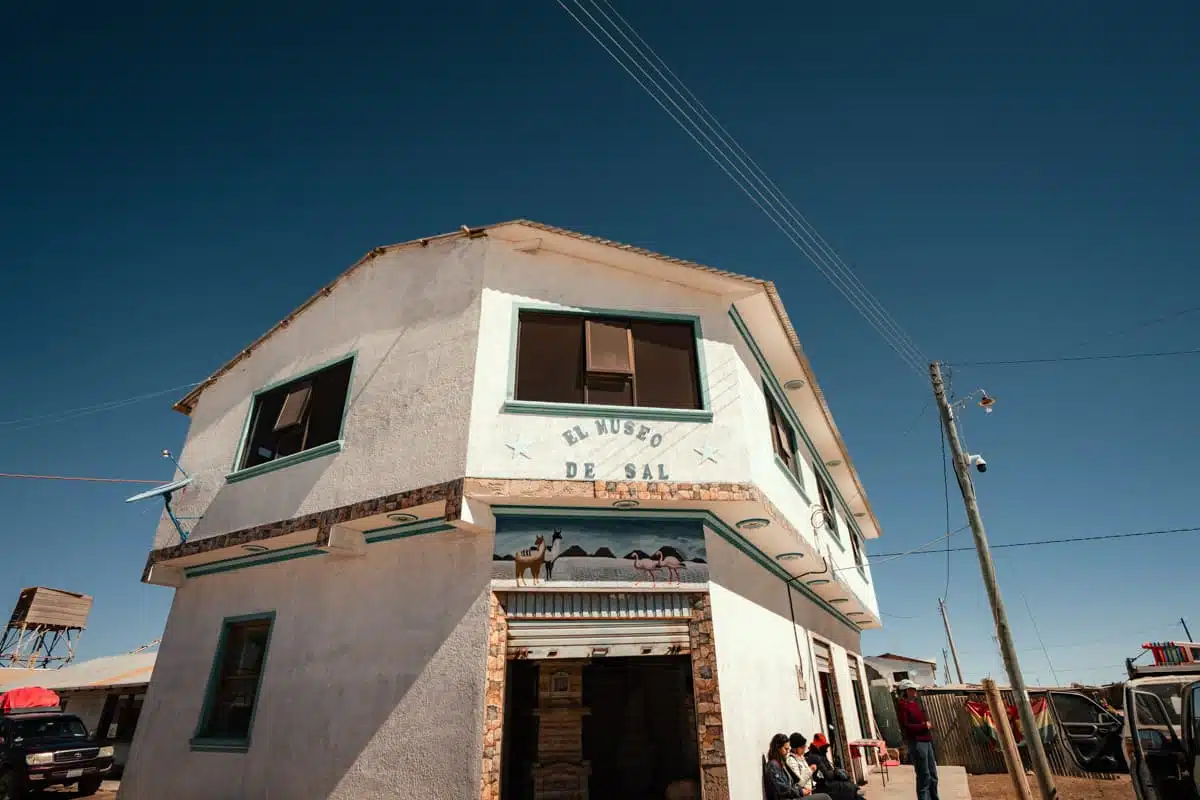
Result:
x=531 y=559
x=553 y=553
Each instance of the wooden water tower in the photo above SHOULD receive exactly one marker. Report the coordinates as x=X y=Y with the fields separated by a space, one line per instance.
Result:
x=44 y=628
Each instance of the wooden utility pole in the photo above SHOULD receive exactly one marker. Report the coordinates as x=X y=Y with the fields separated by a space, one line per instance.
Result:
x=1183 y=622
x=946 y=664
x=950 y=639
x=1008 y=742
x=962 y=467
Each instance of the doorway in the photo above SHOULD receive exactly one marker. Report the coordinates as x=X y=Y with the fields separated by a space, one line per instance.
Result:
x=621 y=728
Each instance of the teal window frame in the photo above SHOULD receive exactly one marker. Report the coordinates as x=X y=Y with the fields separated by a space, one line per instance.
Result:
x=511 y=405
x=236 y=475
x=795 y=474
x=818 y=466
x=236 y=745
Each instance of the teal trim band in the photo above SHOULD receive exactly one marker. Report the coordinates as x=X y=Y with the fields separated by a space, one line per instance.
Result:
x=256 y=560
x=305 y=550
x=794 y=479
x=404 y=531
x=621 y=412
x=327 y=449
x=218 y=746
x=352 y=356
x=719 y=526
x=213 y=744
x=514 y=406
x=781 y=398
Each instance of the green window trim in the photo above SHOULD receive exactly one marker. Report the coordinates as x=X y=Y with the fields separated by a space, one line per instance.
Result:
x=777 y=390
x=225 y=744
x=329 y=448
x=511 y=405
x=793 y=479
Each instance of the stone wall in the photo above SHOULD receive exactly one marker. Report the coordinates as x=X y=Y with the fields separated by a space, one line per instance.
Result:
x=493 y=700
x=714 y=775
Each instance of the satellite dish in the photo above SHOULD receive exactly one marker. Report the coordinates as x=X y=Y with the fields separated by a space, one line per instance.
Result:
x=165 y=491
x=160 y=491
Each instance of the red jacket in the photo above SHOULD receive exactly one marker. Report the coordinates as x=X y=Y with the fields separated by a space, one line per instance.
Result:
x=913 y=721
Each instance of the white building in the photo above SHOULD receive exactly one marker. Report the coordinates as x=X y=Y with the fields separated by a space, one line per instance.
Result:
x=507 y=512
x=893 y=669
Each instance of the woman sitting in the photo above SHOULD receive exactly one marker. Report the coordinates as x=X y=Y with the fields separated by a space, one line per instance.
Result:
x=779 y=782
x=802 y=773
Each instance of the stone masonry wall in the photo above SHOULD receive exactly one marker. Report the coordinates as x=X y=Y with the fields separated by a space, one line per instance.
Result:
x=493 y=701
x=714 y=775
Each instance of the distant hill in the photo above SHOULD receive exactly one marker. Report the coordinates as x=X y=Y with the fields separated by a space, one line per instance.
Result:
x=698 y=560
x=502 y=558
x=667 y=550
x=574 y=551
x=604 y=552
x=636 y=554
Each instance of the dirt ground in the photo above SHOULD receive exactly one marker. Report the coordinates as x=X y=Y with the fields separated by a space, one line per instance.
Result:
x=999 y=787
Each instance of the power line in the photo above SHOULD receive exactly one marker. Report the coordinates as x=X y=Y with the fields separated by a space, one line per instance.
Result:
x=1141 y=325
x=73 y=413
x=72 y=478
x=893 y=556
x=740 y=168
x=1039 y=542
x=1062 y=359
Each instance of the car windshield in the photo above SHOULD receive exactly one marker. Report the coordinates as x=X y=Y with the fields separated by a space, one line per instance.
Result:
x=1170 y=695
x=48 y=728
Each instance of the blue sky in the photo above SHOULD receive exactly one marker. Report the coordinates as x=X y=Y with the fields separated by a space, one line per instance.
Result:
x=1010 y=181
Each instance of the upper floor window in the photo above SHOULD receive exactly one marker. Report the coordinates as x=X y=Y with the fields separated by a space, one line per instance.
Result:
x=827 y=504
x=783 y=437
x=569 y=358
x=297 y=416
x=857 y=546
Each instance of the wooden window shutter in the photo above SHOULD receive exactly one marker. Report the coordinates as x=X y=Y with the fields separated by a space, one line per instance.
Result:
x=295 y=404
x=549 y=358
x=667 y=369
x=609 y=347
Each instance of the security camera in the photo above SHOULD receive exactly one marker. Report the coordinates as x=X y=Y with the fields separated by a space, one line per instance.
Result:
x=978 y=461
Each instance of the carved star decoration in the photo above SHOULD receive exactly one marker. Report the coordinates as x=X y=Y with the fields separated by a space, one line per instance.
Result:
x=519 y=446
x=707 y=453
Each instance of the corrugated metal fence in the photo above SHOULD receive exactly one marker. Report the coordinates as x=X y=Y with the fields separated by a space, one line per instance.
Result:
x=956 y=744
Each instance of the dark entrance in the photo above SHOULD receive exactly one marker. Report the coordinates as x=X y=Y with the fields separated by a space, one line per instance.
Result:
x=636 y=728
x=833 y=717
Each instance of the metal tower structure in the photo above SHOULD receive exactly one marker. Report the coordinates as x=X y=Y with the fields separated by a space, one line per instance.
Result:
x=44 y=628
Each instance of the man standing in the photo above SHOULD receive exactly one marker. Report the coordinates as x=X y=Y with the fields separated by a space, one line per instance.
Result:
x=919 y=734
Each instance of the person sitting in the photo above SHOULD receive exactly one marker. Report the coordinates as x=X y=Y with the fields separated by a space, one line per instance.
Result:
x=801 y=772
x=778 y=781
x=827 y=778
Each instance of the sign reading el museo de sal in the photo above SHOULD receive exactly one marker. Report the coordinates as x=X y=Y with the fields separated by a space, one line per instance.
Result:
x=577 y=435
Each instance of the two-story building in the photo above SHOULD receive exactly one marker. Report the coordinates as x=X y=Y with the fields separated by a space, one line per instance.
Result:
x=509 y=512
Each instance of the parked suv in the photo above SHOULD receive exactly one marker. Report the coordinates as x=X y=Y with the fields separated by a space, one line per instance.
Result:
x=41 y=748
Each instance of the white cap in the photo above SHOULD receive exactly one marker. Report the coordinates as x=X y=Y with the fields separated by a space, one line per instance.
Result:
x=905 y=685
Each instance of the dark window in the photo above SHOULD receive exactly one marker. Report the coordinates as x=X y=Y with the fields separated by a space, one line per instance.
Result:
x=856 y=546
x=1075 y=708
x=567 y=358
x=827 y=503
x=297 y=416
x=783 y=437
x=899 y=676
x=233 y=691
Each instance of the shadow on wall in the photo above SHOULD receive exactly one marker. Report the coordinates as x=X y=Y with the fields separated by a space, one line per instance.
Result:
x=414 y=328
x=374 y=686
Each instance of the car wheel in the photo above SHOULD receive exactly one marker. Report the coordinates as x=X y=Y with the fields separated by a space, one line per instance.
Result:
x=89 y=786
x=8 y=787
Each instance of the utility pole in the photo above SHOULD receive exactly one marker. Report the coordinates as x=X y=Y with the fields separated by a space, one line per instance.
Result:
x=1008 y=742
x=946 y=664
x=950 y=639
x=1037 y=752
x=1183 y=622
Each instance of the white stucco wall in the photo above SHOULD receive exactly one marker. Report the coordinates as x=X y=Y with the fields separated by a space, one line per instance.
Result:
x=796 y=505
x=373 y=686
x=88 y=706
x=412 y=316
x=756 y=646
x=555 y=281
x=919 y=672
